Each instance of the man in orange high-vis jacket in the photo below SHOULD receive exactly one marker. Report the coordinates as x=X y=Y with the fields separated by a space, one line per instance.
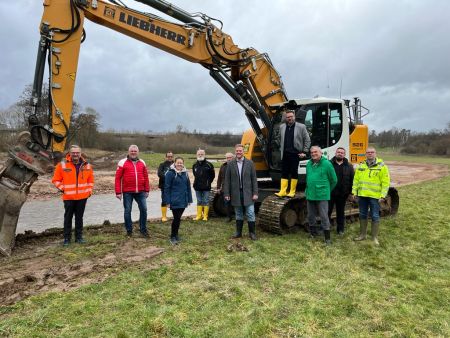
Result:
x=74 y=177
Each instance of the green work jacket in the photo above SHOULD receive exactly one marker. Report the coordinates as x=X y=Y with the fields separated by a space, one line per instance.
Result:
x=320 y=180
x=371 y=181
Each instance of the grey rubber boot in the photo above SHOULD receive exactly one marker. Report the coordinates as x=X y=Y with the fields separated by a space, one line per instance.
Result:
x=362 y=230
x=375 y=229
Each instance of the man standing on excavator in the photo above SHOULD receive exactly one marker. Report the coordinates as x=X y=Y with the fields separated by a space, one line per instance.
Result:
x=294 y=145
x=74 y=177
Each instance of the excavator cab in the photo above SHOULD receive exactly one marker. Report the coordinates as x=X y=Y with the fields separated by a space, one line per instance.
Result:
x=326 y=122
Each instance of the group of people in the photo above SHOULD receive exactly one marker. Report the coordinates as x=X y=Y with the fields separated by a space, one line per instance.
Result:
x=329 y=184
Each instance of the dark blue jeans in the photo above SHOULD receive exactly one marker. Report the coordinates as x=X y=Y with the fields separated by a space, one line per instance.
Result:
x=364 y=204
x=141 y=201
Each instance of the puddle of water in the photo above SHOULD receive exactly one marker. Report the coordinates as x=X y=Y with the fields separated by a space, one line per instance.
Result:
x=41 y=215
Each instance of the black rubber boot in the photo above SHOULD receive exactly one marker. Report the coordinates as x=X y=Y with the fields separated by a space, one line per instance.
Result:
x=314 y=231
x=239 y=226
x=252 y=231
x=327 y=234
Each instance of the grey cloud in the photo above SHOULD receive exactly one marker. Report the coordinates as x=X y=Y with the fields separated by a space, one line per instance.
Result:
x=391 y=54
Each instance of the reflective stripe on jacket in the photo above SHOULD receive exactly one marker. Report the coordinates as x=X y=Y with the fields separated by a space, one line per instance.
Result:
x=371 y=181
x=131 y=176
x=74 y=187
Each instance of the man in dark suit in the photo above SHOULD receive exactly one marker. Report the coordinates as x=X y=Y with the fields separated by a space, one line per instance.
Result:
x=294 y=144
x=241 y=188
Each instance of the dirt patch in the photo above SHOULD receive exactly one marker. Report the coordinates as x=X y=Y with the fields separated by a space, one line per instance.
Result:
x=403 y=173
x=41 y=264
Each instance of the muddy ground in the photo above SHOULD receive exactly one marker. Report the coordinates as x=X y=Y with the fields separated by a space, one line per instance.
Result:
x=39 y=263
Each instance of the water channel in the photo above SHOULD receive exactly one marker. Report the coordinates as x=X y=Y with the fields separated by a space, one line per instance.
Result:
x=41 y=215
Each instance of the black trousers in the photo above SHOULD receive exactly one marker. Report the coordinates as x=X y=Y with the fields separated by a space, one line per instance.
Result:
x=339 y=202
x=289 y=166
x=177 y=213
x=72 y=207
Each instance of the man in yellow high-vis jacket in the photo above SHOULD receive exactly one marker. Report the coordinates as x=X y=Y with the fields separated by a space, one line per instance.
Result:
x=371 y=186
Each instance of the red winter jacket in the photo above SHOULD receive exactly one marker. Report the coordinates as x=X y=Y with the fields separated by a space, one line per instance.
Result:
x=131 y=176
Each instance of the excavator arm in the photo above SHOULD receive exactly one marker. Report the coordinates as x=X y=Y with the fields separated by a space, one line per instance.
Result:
x=248 y=76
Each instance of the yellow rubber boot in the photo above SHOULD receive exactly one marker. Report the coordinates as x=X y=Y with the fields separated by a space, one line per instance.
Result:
x=293 y=188
x=199 y=213
x=205 y=213
x=283 y=188
x=164 y=214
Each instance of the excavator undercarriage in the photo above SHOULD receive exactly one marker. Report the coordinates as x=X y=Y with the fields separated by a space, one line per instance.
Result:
x=288 y=215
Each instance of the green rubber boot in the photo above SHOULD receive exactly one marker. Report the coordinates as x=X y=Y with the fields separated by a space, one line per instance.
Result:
x=362 y=230
x=375 y=229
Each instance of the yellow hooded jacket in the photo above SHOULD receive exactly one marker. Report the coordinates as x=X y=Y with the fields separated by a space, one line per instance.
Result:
x=371 y=181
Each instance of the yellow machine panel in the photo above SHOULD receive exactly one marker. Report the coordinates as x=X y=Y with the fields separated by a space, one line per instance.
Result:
x=252 y=150
x=359 y=141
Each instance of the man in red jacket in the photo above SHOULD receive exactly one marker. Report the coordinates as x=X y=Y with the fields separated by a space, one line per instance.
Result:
x=132 y=182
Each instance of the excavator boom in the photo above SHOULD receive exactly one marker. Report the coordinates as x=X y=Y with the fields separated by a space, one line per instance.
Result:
x=245 y=74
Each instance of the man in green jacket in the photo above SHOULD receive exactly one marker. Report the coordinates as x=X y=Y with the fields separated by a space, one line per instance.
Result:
x=320 y=180
x=371 y=186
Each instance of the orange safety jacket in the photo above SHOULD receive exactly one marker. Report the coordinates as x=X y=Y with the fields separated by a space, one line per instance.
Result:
x=74 y=187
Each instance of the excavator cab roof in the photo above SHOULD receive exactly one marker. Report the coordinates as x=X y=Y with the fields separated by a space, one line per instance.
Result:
x=293 y=104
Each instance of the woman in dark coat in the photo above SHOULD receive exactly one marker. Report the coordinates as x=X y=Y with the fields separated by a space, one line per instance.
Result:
x=177 y=195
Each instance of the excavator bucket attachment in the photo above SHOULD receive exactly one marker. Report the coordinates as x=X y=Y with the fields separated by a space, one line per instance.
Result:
x=11 y=201
x=26 y=161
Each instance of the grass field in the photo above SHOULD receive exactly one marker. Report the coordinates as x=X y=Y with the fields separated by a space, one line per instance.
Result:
x=153 y=160
x=285 y=286
x=393 y=155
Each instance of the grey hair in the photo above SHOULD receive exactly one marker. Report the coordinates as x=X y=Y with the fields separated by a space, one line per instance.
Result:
x=316 y=147
x=75 y=146
x=133 y=146
x=229 y=154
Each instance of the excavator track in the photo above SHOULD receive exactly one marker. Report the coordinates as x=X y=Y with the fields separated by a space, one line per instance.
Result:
x=287 y=215
x=282 y=215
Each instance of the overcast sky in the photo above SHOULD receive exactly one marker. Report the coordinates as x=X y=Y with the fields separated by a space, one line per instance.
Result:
x=392 y=54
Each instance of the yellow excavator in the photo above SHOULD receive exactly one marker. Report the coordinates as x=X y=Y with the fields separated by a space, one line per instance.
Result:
x=247 y=75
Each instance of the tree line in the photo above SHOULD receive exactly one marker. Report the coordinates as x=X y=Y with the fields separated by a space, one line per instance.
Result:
x=84 y=130
x=434 y=142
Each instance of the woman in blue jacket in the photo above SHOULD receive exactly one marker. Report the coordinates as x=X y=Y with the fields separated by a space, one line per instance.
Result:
x=177 y=194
